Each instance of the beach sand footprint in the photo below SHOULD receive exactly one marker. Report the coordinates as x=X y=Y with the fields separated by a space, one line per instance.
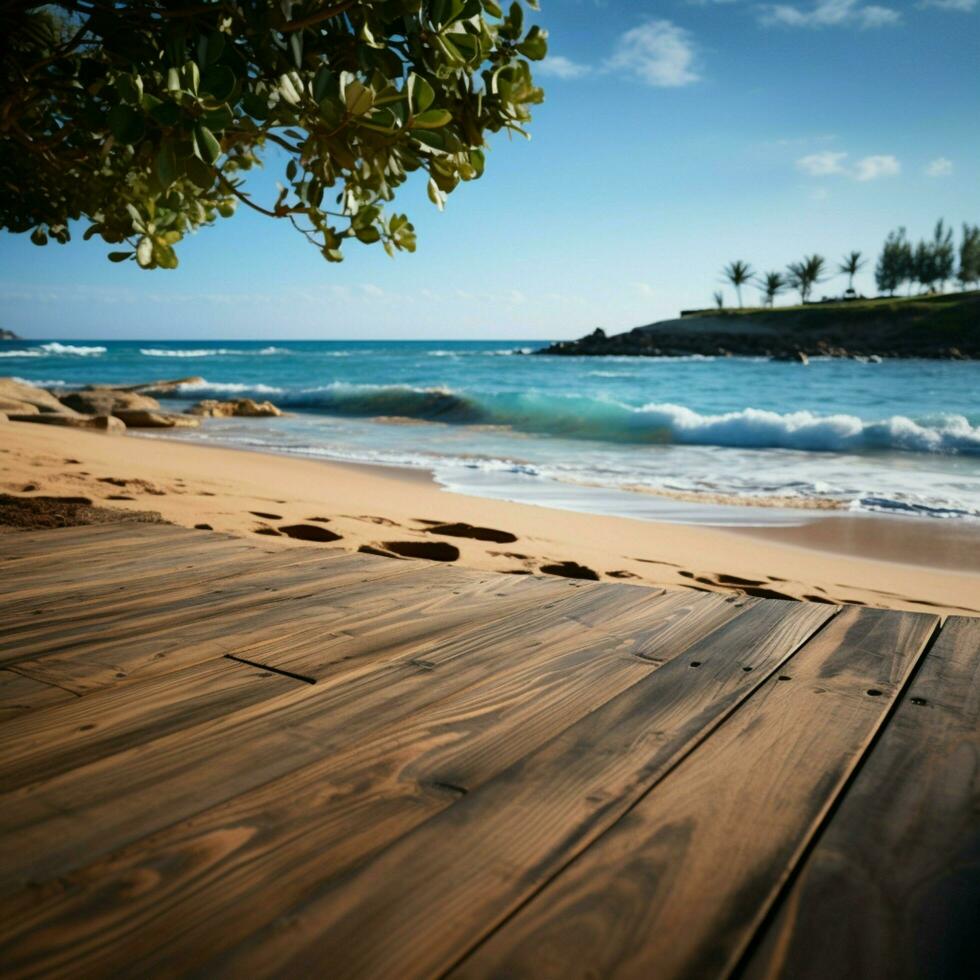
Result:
x=431 y=550
x=266 y=516
x=462 y=530
x=309 y=532
x=570 y=569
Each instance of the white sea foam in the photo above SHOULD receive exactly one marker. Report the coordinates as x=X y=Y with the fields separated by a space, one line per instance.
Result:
x=758 y=429
x=70 y=350
x=228 y=387
x=212 y=352
x=44 y=383
x=54 y=349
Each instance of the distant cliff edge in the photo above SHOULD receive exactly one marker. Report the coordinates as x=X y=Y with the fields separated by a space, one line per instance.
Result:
x=945 y=326
x=8 y=335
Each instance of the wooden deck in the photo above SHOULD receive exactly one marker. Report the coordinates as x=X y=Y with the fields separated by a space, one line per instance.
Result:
x=222 y=760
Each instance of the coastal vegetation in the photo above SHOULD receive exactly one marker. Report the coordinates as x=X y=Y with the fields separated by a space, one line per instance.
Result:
x=941 y=325
x=928 y=265
x=145 y=117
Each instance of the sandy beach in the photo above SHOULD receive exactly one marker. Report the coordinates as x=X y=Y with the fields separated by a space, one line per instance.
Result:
x=880 y=562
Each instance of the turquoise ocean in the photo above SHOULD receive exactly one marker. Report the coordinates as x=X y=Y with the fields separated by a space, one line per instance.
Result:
x=666 y=438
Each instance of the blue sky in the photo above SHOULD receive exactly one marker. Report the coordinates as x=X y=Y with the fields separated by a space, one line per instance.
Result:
x=676 y=135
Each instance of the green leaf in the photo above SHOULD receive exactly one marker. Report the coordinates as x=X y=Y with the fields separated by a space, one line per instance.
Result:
x=126 y=124
x=368 y=234
x=190 y=77
x=200 y=174
x=535 y=45
x=130 y=88
x=119 y=256
x=144 y=252
x=434 y=140
x=433 y=119
x=38 y=237
x=358 y=98
x=164 y=256
x=218 y=119
x=218 y=82
x=420 y=93
x=165 y=164
x=208 y=148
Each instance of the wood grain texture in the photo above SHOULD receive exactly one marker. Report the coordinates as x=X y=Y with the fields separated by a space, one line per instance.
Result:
x=53 y=826
x=892 y=888
x=20 y=695
x=495 y=847
x=155 y=610
x=144 y=645
x=99 y=584
x=36 y=546
x=63 y=738
x=485 y=775
x=678 y=887
x=222 y=882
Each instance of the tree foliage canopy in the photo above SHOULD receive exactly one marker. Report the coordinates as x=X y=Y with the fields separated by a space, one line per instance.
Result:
x=143 y=116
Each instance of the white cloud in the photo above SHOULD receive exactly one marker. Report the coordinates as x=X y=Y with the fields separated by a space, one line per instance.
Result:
x=558 y=66
x=644 y=288
x=831 y=164
x=873 y=167
x=940 y=167
x=658 y=53
x=962 y=6
x=830 y=13
x=821 y=164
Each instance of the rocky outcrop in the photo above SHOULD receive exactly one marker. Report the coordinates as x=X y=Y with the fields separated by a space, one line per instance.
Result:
x=237 y=407
x=8 y=335
x=141 y=418
x=107 y=401
x=103 y=423
x=17 y=398
x=941 y=327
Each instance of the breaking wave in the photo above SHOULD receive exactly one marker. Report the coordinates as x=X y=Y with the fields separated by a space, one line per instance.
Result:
x=615 y=422
x=54 y=349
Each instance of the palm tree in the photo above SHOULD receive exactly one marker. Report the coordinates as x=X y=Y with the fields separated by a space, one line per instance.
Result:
x=796 y=278
x=815 y=268
x=803 y=276
x=738 y=273
x=772 y=284
x=850 y=267
x=719 y=299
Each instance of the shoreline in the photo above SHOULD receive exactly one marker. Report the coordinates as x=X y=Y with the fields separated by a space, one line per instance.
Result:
x=386 y=508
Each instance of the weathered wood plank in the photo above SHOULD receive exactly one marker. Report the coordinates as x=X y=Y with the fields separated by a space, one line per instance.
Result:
x=171 y=642
x=679 y=885
x=890 y=890
x=495 y=847
x=235 y=868
x=27 y=549
x=180 y=605
x=51 y=827
x=21 y=695
x=55 y=741
x=98 y=599
x=127 y=715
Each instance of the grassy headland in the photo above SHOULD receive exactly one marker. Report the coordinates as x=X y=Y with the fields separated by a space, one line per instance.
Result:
x=939 y=326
